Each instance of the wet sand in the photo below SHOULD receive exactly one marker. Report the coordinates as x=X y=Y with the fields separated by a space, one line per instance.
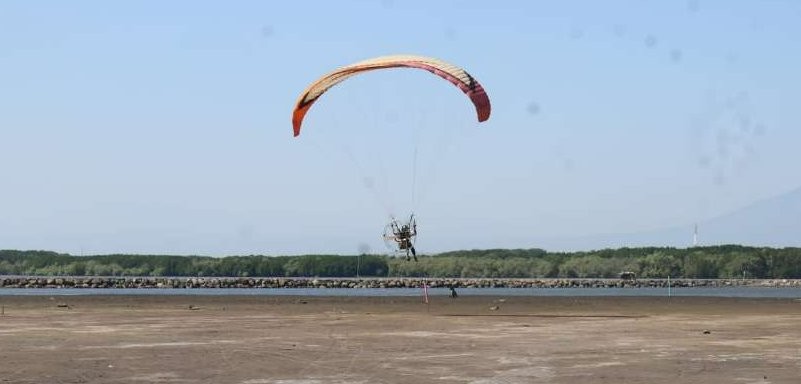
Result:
x=293 y=340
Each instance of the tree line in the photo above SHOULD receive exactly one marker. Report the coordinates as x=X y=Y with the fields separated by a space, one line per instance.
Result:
x=725 y=261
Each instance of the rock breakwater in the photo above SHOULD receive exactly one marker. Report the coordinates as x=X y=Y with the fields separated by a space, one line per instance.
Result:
x=411 y=282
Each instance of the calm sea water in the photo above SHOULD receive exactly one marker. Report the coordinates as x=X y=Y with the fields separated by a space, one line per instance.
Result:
x=753 y=292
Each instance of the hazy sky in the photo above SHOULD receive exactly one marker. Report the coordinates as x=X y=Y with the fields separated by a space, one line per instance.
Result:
x=165 y=127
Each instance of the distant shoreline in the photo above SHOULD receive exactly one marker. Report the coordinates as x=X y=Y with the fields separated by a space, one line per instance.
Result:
x=74 y=282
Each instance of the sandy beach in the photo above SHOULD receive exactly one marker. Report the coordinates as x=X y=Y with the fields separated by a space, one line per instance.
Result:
x=293 y=340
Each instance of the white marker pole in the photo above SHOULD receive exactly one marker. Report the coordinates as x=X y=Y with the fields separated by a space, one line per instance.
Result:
x=668 y=285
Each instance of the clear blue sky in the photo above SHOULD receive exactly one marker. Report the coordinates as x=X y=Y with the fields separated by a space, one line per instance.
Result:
x=164 y=127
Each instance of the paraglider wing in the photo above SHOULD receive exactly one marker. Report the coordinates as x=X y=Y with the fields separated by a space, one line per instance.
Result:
x=457 y=76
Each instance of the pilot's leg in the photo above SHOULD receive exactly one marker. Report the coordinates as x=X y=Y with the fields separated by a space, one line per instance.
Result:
x=414 y=253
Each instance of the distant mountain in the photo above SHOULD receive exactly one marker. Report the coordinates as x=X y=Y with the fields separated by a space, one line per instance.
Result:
x=774 y=222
